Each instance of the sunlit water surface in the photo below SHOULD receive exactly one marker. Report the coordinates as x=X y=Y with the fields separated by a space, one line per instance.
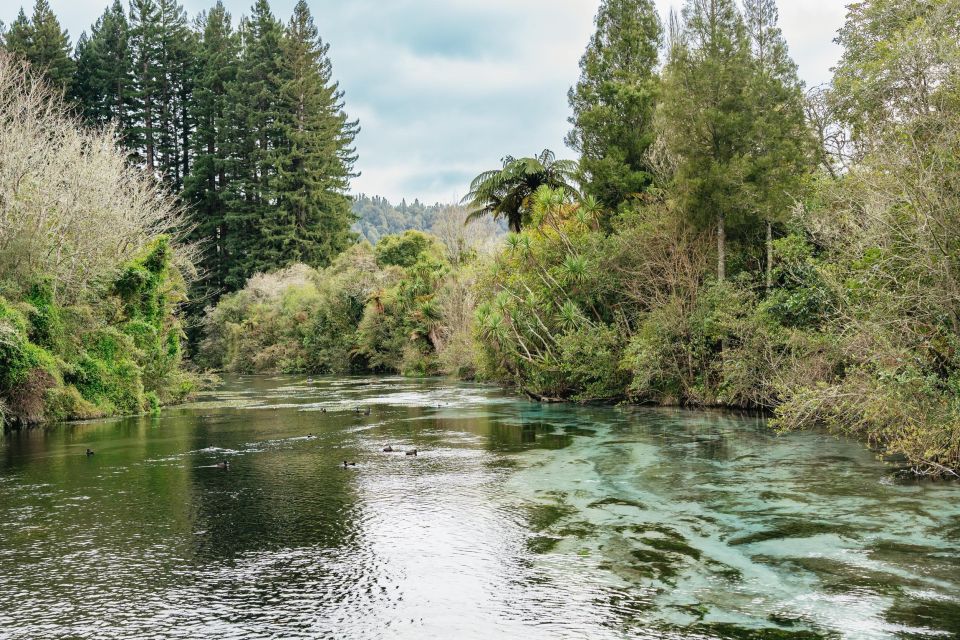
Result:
x=516 y=520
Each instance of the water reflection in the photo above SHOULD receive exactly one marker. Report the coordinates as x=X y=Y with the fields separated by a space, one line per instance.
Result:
x=516 y=520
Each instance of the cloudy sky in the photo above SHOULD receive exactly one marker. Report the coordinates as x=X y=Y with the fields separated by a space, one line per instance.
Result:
x=445 y=88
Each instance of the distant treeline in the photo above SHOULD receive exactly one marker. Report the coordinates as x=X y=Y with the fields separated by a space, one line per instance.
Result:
x=242 y=120
x=377 y=217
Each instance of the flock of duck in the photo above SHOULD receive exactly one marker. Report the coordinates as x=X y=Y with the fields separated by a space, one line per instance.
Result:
x=225 y=464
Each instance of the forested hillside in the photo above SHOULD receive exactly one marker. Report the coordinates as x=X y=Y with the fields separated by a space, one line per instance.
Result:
x=376 y=217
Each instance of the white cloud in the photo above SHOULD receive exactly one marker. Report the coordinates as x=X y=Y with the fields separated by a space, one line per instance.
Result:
x=445 y=88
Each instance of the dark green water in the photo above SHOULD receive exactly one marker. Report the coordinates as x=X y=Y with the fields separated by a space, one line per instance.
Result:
x=516 y=520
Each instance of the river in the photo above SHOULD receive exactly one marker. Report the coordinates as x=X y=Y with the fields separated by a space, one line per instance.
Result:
x=515 y=520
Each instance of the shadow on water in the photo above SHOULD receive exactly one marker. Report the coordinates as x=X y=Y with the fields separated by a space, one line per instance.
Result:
x=514 y=519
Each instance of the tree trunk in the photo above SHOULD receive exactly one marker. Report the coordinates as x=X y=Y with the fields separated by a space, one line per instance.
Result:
x=769 y=257
x=721 y=248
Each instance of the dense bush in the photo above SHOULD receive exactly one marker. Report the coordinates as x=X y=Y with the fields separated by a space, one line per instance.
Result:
x=375 y=309
x=90 y=283
x=124 y=357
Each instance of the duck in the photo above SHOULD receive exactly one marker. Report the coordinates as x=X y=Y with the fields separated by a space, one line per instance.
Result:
x=223 y=464
x=367 y=412
x=412 y=452
x=349 y=464
x=89 y=452
x=388 y=449
x=323 y=410
x=310 y=436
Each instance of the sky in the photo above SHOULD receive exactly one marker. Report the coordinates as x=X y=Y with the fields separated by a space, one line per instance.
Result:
x=444 y=89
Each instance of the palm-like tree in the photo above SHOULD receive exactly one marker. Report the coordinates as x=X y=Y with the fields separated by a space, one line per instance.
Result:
x=508 y=192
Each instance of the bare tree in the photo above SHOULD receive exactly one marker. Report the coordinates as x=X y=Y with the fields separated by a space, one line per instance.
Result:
x=71 y=205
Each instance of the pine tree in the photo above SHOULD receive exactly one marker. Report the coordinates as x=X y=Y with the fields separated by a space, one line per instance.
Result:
x=782 y=142
x=43 y=43
x=50 y=48
x=707 y=116
x=18 y=38
x=206 y=185
x=145 y=34
x=174 y=72
x=103 y=83
x=318 y=161
x=253 y=212
x=613 y=103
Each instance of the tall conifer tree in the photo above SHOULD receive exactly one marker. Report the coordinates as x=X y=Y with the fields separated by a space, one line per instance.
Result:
x=782 y=152
x=212 y=170
x=145 y=34
x=41 y=41
x=319 y=157
x=253 y=212
x=18 y=38
x=175 y=61
x=103 y=81
x=707 y=116
x=613 y=103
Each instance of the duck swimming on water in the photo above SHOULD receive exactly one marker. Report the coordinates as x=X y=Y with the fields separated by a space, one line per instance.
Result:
x=223 y=464
x=89 y=452
x=388 y=449
x=412 y=452
x=349 y=464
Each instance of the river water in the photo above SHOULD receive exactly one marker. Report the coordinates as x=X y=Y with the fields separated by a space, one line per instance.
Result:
x=515 y=520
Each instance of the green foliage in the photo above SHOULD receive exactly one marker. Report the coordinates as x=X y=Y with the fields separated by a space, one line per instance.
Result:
x=614 y=101
x=18 y=356
x=377 y=218
x=40 y=41
x=396 y=308
x=405 y=249
x=66 y=403
x=46 y=325
x=102 y=84
x=590 y=359
x=60 y=364
x=541 y=313
x=508 y=193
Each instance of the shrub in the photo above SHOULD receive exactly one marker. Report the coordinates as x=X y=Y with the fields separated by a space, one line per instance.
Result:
x=406 y=249
x=66 y=403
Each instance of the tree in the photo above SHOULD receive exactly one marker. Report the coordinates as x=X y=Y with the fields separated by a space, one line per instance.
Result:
x=205 y=187
x=896 y=57
x=103 y=81
x=175 y=75
x=781 y=153
x=43 y=43
x=145 y=44
x=257 y=132
x=614 y=101
x=508 y=192
x=707 y=117
x=318 y=155
x=17 y=39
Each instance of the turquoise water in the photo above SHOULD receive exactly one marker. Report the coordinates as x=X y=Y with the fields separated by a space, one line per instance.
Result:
x=515 y=520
